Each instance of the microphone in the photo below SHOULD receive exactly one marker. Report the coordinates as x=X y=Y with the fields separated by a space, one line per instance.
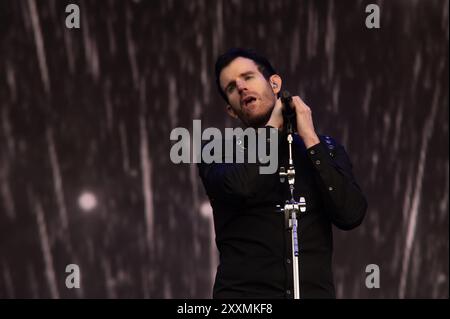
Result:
x=290 y=120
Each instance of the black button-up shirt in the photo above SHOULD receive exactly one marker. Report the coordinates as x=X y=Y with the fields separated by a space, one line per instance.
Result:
x=252 y=236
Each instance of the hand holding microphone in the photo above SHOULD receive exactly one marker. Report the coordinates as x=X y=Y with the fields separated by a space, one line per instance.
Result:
x=296 y=112
x=283 y=112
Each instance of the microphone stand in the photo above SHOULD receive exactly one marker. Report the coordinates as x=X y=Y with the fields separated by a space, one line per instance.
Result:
x=291 y=208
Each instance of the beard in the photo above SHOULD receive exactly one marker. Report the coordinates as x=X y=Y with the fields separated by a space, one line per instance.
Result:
x=256 y=120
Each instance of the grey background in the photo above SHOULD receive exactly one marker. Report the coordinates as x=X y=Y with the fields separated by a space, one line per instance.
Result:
x=91 y=110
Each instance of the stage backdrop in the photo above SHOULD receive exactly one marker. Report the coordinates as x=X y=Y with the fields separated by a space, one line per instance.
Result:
x=86 y=114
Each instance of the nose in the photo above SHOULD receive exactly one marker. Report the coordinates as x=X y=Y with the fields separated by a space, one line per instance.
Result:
x=241 y=85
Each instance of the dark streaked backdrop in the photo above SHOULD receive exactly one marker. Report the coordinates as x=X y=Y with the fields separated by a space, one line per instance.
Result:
x=86 y=114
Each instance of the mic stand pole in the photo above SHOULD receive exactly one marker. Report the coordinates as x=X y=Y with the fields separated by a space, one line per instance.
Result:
x=291 y=211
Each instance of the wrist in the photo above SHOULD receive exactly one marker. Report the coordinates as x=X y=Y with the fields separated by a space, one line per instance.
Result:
x=310 y=140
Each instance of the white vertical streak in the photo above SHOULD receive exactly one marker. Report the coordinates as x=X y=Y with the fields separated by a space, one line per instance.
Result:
x=207 y=213
x=90 y=50
x=386 y=134
x=330 y=39
x=86 y=42
x=111 y=37
x=95 y=63
x=131 y=50
x=6 y=195
x=39 y=41
x=416 y=70
x=69 y=50
x=167 y=291
x=204 y=79
x=7 y=278
x=146 y=167
x=46 y=251
x=110 y=281
x=367 y=98
x=193 y=173
x=444 y=21
x=7 y=130
x=25 y=15
x=11 y=80
x=443 y=205
x=407 y=198
x=312 y=32
x=57 y=180
x=295 y=49
x=412 y=222
x=5 y=191
x=398 y=128
x=145 y=285
x=32 y=281
x=173 y=101
x=335 y=97
x=218 y=36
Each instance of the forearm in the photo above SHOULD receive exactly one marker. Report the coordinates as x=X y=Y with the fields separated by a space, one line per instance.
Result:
x=342 y=196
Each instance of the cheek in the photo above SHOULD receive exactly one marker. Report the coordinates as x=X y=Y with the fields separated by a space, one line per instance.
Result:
x=268 y=93
x=235 y=101
x=269 y=99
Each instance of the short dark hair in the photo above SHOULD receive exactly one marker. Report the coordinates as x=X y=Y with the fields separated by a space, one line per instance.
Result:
x=223 y=60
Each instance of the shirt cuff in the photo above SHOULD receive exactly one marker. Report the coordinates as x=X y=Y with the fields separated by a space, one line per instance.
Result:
x=318 y=155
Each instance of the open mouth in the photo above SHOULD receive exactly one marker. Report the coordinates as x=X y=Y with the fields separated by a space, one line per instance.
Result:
x=248 y=100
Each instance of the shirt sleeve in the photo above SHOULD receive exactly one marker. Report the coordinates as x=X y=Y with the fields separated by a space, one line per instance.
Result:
x=342 y=196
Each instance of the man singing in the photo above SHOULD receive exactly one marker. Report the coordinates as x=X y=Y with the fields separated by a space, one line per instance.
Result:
x=251 y=234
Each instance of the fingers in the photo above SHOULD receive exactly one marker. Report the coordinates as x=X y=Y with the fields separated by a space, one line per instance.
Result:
x=299 y=105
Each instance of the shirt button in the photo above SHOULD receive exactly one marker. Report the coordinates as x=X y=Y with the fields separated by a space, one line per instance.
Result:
x=288 y=261
x=330 y=188
x=312 y=152
x=318 y=162
x=288 y=292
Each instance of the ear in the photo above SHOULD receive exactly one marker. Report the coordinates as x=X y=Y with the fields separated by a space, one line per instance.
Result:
x=275 y=83
x=231 y=112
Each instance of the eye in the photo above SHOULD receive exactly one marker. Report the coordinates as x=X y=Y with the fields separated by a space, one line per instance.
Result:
x=248 y=77
x=230 y=89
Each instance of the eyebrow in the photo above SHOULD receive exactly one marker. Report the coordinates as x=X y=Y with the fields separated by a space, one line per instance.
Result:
x=241 y=75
